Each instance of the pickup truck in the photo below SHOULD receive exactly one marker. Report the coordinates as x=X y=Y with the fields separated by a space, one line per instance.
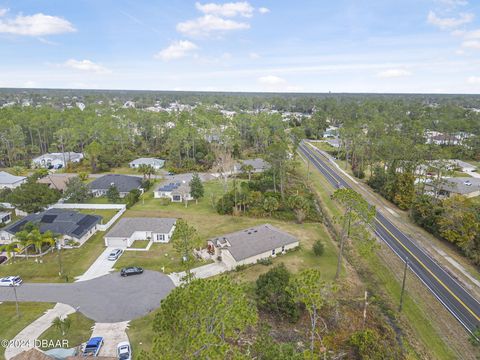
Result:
x=92 y=348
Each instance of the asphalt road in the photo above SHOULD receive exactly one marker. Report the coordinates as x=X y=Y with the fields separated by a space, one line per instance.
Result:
x=453 y=296
x=107 y=299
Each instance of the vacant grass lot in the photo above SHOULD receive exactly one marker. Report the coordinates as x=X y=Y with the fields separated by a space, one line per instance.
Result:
x=79 y=332
x=11 y=325
x=75 y=263
x=106 y=214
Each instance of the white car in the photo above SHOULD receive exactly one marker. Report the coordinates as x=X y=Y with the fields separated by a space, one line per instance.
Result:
x=11 y=281
x=115 y=254
x=124 y=351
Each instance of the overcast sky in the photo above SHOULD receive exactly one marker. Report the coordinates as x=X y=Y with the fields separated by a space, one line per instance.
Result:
x=266 y=45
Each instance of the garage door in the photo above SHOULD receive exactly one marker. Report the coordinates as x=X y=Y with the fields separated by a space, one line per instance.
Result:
x=117 y=242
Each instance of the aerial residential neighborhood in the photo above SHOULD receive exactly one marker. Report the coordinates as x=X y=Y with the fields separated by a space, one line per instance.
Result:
x=226 y=180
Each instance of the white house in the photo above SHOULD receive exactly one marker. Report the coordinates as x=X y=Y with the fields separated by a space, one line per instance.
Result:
x=56 y=160
x=127 y=230
x=155 y=163
x=250 y=245
x=5 y=217
x=176 y=192
x=10 y=181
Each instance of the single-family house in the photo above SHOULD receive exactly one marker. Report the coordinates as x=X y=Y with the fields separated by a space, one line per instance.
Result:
x=5 y=217
x=10 y=181
x=127 y=230
x=153 y=162
x=250 y=245
x=176 y=192
x=71 y=224
x=56 y=160
x=57 y=181
x=258 y=165
x=466 y=186
x=123 y=183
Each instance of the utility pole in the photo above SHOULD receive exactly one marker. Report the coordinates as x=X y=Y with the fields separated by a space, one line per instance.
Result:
x=403 y=285
x=365 y=308
x=16 y=300
x=60 y=264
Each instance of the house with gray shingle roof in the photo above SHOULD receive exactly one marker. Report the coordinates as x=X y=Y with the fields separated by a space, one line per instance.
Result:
x=10 y=181
x=123 y=183
x=466 y=186
x=258 y=165
x=153 y=162
x=127 y=230
x=250 y=245
x=72 y=225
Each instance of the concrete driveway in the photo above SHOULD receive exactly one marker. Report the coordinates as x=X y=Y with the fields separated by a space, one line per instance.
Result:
x=107 y=299
x=101 y=266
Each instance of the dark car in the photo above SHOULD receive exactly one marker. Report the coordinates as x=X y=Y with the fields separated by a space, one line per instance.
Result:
x=132 y=270
x=3 y=259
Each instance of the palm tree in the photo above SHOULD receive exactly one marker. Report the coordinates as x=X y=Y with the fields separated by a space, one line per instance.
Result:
x=11 y=248
x=62 y=325
x=247 y=168
x=146 y=170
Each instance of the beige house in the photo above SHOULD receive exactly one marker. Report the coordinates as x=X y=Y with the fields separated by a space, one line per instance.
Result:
x=250 y=245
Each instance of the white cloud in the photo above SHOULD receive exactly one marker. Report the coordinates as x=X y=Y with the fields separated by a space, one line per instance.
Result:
x=449 y=22
x=263 y=10
x=231 y=9
x=394 y=73
x=86 y=65
x=253 y=55
x=471 y=44
x=473 y=80
x=453 y=3
x=276 y=83
x=271 y=80
x=34 y=25
x=3 y=12
x=176 y=50
x=475 y=34
x=208 y=25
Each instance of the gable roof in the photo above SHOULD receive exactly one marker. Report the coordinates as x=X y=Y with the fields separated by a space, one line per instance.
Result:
x=123 y=183
x=69 y=156
x=127 y=226
x=56 y=181
x=253 y=241
x=6 y=178
x=59 y=221
x=257 y=164
x=148 y=161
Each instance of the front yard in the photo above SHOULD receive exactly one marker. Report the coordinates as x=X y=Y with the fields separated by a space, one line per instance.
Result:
x=75 y=263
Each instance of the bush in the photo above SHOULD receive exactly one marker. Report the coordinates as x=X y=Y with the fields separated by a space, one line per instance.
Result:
x=266 y=261
x=318 y=248
x=272 y=293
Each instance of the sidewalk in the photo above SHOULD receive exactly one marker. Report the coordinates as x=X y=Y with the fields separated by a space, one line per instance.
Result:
x=37 y=328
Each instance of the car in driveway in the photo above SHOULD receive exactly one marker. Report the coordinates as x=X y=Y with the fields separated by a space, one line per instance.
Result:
x=124 y=351
x=93 y=346
x=11 y=281
x=115 y=254
x=3 y=259
x=131 y=270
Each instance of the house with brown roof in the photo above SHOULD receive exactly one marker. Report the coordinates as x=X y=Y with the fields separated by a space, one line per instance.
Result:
x=57 y=181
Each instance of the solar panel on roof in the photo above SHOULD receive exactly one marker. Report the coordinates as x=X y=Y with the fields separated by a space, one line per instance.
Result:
x=79 y=230
x=18 y=226
x=87 y=221
x=48 y=219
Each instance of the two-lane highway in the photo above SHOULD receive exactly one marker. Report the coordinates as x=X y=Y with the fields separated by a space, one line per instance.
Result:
x=453 y=296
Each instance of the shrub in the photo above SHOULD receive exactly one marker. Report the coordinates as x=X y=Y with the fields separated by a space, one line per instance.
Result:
x=266 y=261
x=318 y=248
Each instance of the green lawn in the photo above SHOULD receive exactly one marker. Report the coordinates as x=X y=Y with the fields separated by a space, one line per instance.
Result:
x=140 y=244
x=79 y=332
x=11 y=325
x=102 y=200
x=106 y=214
x=75 y=263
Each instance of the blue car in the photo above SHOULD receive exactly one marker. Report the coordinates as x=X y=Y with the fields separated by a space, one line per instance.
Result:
x=92 y=348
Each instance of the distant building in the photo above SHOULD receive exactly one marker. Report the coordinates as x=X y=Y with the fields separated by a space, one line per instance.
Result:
x=127 y=230
x=10 y=181
x=56 y=160
x=5 y=217
x=123 y=183
x=466 y=186
x=259 y=165
x=176 y=192
x=155 y=163
x=72 y=225
x=250 y=245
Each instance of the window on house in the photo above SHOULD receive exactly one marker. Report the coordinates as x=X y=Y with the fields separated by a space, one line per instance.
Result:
x=273 y=252
x=283 y=248
x=160 y=237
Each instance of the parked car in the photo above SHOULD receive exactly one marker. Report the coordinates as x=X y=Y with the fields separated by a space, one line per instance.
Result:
x=93 y=346
x=124 y=351
x=132 y=270
x=11 y=281
x=115 y=254
x=3 y=259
